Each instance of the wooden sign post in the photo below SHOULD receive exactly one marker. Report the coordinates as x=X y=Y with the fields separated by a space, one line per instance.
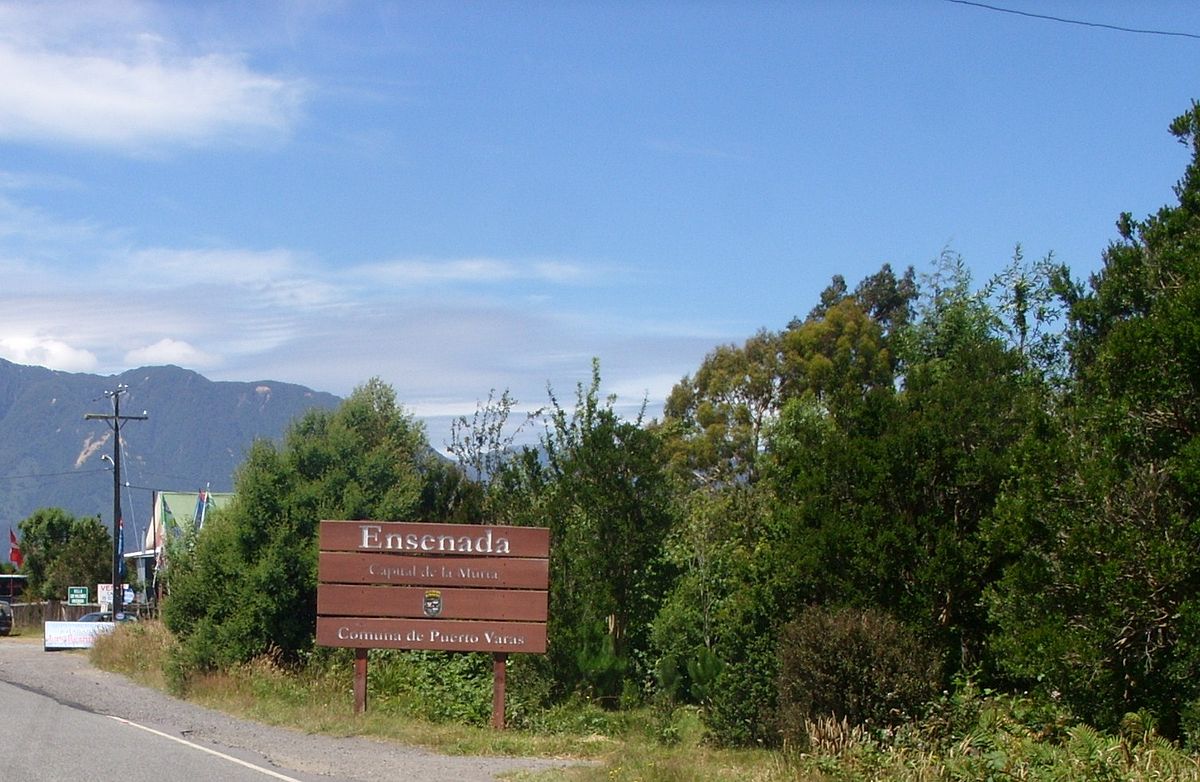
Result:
x=447 y=587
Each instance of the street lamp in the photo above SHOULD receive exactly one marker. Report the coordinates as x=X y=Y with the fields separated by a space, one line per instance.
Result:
x=115 y=421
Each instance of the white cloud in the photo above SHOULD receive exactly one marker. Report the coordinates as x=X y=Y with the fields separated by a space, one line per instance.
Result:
x=473 y=270
x=235 y=266
x=23 y=180
x=257 y=278
x=135 y=92
x=417 y=272
x=560 y=272
x=442 y=332
x=652 y=386
x=47 y=352
x=24 y=223
x=169 y=351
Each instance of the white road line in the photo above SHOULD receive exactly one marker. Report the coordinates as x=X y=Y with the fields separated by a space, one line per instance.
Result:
x=185 y=742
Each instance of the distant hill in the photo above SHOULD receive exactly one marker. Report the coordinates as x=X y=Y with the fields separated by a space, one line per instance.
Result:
x=197 y=433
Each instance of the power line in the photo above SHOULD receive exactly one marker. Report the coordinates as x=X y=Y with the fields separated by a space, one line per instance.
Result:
x=50 y=474
x=82 y=473
x=1080 y=22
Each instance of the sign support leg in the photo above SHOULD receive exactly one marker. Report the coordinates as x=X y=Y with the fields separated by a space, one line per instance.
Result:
x=360 y=681
x=498 y=677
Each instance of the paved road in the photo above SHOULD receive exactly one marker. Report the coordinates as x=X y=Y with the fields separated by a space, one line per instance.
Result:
x=62 y=720
x=46 y=740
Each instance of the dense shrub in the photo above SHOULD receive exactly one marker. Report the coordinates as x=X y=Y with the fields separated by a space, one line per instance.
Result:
x=863 y=667
x=435 y=686
x=742 y=708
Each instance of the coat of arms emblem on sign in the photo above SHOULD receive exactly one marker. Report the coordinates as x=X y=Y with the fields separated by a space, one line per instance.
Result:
x=433 y=602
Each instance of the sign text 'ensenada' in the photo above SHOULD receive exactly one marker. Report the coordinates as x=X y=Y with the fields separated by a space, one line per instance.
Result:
x=419 y=538
x=453 y=587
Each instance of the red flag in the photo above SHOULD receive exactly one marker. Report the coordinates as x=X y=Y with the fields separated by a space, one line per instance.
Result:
x=14 y=549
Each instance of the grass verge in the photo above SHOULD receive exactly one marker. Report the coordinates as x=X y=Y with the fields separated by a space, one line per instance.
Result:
x=969 y=736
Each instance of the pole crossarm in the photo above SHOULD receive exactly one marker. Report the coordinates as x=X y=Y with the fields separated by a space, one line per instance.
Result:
x=115 y=421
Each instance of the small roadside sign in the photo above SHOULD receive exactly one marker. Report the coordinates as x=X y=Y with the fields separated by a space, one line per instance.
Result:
x=104 y=596
x=77 y=596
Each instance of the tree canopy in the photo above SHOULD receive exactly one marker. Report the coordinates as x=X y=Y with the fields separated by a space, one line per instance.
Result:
x=62 y=550
x=249 y=583
x=1002 y=482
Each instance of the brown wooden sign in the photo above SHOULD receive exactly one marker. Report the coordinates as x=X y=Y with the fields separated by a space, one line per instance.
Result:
x=448 y=587
x=366 y=633
x=411 y=602
x=403 y=570
x=435 y=539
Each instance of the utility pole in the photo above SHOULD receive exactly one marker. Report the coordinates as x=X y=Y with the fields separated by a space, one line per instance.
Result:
x=115 y=422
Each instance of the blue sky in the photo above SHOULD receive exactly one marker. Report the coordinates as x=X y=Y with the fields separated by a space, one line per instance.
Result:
x=473 y=196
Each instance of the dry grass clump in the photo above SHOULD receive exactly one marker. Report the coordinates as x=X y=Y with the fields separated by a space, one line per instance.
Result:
x=138 y=650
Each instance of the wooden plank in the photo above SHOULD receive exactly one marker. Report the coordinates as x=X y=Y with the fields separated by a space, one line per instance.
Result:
x=399 y=537
x=360 y=681
x=498 y=689
x=433 y=634
x=335 y=567
x=398 y=601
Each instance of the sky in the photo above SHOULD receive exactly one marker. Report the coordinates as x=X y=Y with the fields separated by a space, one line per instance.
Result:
x=461 y=197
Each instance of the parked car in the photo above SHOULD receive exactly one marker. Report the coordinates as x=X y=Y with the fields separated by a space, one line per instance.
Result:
x=106 y=616
x=6 y=618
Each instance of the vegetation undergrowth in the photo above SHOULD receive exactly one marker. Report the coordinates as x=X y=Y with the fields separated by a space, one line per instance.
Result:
x=968 y=734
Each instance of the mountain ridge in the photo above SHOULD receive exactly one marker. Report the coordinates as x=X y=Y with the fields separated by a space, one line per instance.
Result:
x=196 y=434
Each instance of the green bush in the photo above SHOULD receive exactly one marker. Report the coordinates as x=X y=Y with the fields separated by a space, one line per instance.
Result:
x=435 y=686
x=248 y=586
x=861 y=667
x=743 y=697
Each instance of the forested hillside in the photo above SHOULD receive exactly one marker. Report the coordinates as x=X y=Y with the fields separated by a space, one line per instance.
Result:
x=925 y=480
x=196 y=434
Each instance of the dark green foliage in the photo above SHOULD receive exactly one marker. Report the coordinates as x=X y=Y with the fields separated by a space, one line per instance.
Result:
x=861 y=666
x=744 y=698
x=887 y=300
x=249 y=585
x=605 y=496
x=703 y=670
x=882 y=492
x=883 y=464
x=61 y=550
x=86 y=559
x=1101 y=603
x=601 y=670
x=448 y=495
x=435 y=686
x=43 y=537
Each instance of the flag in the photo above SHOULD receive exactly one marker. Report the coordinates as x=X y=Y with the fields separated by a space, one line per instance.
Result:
x=201 y=506
x=162 y=528
x=121 y=548
x=14 y=549
x=169 y=525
